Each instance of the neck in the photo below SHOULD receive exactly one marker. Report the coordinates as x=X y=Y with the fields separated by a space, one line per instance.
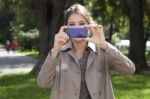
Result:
x=79 y=48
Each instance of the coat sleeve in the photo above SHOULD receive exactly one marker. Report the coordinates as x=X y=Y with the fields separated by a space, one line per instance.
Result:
x=119 y=62
x=47 y=73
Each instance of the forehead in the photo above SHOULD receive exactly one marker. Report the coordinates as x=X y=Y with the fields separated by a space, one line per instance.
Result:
x=76 y=17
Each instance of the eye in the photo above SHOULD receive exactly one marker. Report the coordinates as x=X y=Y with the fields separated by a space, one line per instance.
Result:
x=71 y=24
x=82 y=23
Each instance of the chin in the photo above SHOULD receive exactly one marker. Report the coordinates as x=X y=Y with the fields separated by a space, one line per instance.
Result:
x=78 y=39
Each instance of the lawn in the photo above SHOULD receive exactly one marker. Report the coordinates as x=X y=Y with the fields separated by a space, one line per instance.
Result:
x=31 y=53
x=23 y=86
x=134 y=87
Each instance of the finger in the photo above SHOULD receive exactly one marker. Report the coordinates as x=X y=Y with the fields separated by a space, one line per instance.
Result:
x=62 y=29
x=64 y=35
x=101 y=29
x=100 y=26
x=87 y=25
x=88 y=39
x=61 y=40
x=92 y=30
x=97 y=29
x=88 y=28
x=91 y=27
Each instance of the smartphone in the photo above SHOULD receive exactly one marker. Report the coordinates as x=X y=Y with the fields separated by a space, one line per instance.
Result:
x=77 y=31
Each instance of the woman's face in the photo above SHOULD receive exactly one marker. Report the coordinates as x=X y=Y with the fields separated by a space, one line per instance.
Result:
x=76 y=20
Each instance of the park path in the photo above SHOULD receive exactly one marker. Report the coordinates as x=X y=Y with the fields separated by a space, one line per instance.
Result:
x=11 y=62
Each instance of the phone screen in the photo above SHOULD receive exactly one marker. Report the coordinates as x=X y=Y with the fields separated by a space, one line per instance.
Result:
x=77 y=31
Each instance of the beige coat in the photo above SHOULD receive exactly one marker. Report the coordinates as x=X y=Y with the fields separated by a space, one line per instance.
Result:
x=65 y=81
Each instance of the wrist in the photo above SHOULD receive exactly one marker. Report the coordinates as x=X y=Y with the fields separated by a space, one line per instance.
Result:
x=103 y=45
x=54 y=52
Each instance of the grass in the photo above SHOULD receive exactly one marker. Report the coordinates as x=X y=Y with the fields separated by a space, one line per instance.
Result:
x=31 y=53
x=23 y=86
x=134 y=87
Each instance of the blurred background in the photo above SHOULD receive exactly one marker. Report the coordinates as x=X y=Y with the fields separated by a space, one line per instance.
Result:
x=27 y=29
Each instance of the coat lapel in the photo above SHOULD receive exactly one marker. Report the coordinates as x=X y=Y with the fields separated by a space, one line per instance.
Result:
x=74 y=58
x=90 y=59
x=91 y=56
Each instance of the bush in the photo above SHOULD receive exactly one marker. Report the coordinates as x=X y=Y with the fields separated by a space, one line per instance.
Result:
x=28 y=40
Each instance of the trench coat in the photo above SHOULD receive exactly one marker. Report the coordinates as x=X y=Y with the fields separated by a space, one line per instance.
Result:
x=63 y=74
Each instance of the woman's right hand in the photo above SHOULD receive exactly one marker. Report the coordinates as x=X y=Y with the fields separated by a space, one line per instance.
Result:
x=61 y=38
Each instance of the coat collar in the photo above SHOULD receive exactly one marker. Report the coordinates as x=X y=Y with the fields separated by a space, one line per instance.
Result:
x=68 y=46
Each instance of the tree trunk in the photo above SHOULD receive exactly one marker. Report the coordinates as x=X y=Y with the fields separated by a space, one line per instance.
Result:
x=110 y=29
x=49 y=15
x=137 y=41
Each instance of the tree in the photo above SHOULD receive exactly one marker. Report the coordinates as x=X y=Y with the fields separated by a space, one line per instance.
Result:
x=6 y=15
x=138 y=42
x=49 y=17
x=108 y=13
x=134 y=9
x=49 y=14
x=13 y=19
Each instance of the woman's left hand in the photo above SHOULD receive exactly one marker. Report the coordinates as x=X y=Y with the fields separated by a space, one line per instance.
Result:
x=98 y=37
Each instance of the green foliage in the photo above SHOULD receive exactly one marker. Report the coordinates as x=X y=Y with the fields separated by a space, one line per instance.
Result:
x=5 y=18
x=134 y=87
x=115 y=39
x=24 y=86
x=10 y=4
x=23 y=28
x=21 y=86
x=24 y=22
x=32 y=53
x=28 y=40
x=107 y=13
x=15 y=17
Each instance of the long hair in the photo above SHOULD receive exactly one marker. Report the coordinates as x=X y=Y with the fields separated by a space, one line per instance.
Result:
x=79 y=9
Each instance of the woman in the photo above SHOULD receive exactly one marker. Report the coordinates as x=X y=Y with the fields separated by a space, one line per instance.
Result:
x=79 y=68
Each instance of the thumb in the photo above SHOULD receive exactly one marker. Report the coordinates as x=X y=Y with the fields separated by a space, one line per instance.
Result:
x=88 y=39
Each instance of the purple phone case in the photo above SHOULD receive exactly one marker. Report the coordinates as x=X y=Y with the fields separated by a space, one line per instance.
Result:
x=77 y=31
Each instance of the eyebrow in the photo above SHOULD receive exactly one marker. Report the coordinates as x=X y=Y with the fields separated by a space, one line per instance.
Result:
x=79 y=21
x=71 y=22
x=82 y=21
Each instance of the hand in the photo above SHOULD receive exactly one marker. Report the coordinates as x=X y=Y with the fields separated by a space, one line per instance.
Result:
x=98 y=37
x=61 y=38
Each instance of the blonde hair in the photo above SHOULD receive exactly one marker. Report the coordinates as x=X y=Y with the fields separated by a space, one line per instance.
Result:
x=79 y=9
